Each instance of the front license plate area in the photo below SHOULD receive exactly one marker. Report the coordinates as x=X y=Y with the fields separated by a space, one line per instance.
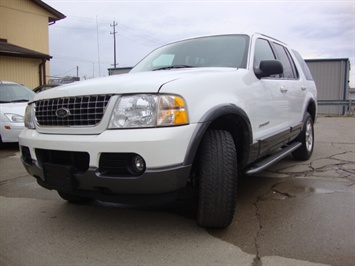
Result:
x=59 y=177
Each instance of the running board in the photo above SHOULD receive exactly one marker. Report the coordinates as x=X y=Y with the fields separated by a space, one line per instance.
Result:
x=272 y=159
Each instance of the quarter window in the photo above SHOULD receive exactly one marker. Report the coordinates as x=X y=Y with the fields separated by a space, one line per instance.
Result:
x=303 y=64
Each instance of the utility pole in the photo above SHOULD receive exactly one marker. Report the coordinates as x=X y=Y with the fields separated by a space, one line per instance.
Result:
x=114 y=42
x=98 y=46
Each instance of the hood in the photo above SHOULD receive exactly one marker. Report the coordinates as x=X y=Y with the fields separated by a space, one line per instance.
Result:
x=141 y=82
x=13 y=108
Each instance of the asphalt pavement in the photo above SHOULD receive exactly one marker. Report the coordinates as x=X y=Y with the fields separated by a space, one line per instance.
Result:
x=294 y=213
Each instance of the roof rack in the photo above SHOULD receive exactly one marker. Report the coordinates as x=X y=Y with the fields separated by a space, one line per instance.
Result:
x=270 y=37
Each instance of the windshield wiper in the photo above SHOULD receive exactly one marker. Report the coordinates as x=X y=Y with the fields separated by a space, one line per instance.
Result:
x=20 y=101
x=173 y=67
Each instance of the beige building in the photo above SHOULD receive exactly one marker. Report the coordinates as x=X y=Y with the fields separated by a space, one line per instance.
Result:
x=118 y=70
x=24 y=41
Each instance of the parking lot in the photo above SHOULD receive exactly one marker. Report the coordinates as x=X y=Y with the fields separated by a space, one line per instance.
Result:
x=295 y=213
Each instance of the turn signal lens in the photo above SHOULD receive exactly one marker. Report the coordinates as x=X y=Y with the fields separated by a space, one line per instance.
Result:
x=172 y=111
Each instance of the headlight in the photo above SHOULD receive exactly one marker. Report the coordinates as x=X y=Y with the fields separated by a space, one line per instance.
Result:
x=149 y=110
x=29 y=117
x=15 y=118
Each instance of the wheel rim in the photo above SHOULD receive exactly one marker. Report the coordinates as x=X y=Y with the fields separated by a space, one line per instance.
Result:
x=309 y=136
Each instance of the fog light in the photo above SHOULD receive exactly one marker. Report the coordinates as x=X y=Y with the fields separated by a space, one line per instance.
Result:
x=26 y=154
x=138 y=164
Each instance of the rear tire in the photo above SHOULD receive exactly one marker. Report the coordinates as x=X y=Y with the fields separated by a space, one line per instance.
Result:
x=73 y=198
x=306 y=137
x=217 y=177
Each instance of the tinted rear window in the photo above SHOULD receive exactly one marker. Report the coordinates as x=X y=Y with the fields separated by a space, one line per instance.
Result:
x=303 y=64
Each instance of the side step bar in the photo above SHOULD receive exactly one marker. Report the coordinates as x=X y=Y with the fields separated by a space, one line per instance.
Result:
x=268 y=161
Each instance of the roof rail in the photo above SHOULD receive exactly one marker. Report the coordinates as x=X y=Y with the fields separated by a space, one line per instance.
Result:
x=270 y=37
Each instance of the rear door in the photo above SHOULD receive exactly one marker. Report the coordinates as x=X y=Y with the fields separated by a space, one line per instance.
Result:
x=292 y=87
x=308 y=89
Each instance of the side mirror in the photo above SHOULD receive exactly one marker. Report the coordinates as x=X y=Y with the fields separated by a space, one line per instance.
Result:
x=268 y=68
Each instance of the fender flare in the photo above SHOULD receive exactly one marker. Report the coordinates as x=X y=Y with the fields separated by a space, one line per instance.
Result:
x=206 y=121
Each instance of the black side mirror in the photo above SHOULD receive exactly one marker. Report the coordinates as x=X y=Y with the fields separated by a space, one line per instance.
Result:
x=268 y=68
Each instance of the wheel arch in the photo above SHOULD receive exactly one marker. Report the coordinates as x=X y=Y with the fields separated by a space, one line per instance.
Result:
x=224 y=117
x=312 y=109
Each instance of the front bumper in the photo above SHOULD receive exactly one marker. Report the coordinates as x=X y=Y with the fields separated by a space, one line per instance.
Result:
x=10 y=131
x=91 y=182
x=162 y=149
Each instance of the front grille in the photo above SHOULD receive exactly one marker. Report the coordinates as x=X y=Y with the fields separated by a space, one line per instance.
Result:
x=78 y=160
x=78 y=111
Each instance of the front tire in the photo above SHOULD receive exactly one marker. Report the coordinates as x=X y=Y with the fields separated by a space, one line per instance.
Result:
x=217 y=177
x=306 y=137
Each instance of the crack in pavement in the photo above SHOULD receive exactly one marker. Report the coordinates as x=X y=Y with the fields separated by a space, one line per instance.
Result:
x=287 y=195
x=257 y=260
x=322 y=165
x=14 y=179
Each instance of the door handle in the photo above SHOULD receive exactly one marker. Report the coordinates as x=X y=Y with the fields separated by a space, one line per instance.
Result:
x=283 y=89
x=303 y=88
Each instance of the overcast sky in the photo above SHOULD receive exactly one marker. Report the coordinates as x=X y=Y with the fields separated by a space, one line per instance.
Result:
x=317 y=29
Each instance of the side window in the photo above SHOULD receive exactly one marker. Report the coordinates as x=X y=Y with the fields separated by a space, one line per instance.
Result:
x=263 y=51
x=285 y=61
x=295 y=70
x=303 y=64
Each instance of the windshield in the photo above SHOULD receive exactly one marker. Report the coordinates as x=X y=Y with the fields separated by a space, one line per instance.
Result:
x=15 y=93
x=214 y=51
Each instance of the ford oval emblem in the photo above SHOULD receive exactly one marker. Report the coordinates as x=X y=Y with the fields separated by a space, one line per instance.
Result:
x=62 y=112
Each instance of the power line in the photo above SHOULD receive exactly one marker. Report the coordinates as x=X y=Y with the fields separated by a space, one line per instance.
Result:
x=139 y=35
x=62 y=74
x=74 y=28
x=77 y=59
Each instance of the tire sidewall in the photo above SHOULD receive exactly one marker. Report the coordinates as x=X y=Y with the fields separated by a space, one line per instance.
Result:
x=217 y=179
x=303 y=153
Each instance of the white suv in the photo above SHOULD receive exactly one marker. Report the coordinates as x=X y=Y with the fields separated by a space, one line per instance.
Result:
x=196 y=113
